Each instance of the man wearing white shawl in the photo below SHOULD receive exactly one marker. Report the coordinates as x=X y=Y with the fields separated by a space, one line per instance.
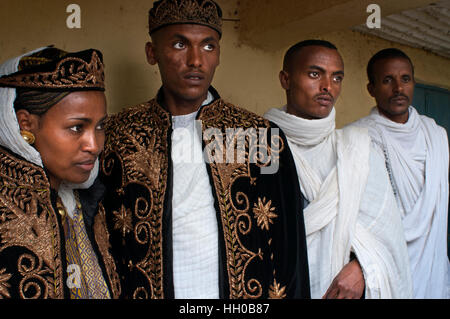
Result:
x=354 y=233
x=416 y=154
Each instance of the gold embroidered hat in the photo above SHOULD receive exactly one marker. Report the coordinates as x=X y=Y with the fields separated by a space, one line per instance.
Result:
x=56 y=70
x=167 y=12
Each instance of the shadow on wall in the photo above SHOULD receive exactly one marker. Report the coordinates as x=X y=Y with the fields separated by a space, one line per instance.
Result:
x=126 y=73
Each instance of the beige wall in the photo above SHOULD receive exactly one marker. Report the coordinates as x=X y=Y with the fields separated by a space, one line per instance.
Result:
x=247 y=76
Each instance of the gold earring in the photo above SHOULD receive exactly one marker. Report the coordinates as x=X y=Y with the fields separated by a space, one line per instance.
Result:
x=28 y=137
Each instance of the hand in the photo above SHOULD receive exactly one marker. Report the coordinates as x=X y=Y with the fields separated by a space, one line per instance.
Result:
x=348 y=284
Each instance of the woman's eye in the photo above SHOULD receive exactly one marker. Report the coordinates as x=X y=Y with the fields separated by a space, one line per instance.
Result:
x=100 y=126
x=76 y=128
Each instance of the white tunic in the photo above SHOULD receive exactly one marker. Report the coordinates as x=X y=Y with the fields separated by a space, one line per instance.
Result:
x=194 y=222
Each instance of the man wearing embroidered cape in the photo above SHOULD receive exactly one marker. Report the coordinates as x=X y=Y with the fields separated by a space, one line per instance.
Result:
x=354 y=234
x=415 y=150
x=183 y=228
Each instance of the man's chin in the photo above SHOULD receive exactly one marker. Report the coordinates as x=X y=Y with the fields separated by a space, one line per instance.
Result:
x=194 y=92
x=395 y=113
x=322 y=112
x=398 y=109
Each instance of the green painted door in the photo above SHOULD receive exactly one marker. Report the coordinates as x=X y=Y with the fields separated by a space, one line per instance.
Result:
x=435 y=103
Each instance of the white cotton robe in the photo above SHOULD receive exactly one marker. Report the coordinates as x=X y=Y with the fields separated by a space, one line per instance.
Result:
x=416 y=154
x=351 y=206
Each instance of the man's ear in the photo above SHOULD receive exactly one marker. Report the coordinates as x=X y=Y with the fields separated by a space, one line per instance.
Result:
x=151 y=54
x=284 y=79
x=370 y=88
x=27 y=121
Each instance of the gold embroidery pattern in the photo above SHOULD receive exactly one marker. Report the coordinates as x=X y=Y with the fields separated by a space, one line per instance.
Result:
x=102 y=238
x=70 y=72
x=123 y=220
x=276 y=291
x=138 y=140
x=34 y=278
x=170 y=12
x=4 y=285
x=28 y=221
x=236 y=220
x=138 y=146
x=264 y=213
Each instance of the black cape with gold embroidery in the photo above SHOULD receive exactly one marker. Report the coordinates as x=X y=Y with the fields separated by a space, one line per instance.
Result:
x=262 y=245
x=32 y=244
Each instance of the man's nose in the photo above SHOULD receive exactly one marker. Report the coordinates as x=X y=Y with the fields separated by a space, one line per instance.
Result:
x=397 y=86
x=325 y=84
x=194 y=58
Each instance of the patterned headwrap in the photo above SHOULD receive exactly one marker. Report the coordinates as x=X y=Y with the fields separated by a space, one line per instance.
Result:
x=167 y=12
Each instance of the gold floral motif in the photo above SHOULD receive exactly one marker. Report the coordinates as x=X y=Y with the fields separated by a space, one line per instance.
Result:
x=235 y=205
x=123 y=220
x=25 y=229
x=138 y=139
x=276 y=291
x=264 y=213
x=144 y=161
x=28 y=222
x=4 y=285
x=143 y=154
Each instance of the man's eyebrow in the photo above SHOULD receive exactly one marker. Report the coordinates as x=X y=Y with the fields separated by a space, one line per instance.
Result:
x=209 y=39
x=180 y=36
x=316 y=67
x=184 y=39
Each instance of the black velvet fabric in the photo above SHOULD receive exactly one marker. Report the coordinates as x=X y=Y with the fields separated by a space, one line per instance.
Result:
x=28 y=203
x=144 y=132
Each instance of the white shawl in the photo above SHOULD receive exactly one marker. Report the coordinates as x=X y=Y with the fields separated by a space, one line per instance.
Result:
x=11 y=139
x=350 y=209
x=417 y=155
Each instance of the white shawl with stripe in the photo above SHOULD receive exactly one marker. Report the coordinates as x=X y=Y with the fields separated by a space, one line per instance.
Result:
x=417 y=155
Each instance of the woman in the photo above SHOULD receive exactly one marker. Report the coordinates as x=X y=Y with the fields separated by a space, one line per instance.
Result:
x=53 y=244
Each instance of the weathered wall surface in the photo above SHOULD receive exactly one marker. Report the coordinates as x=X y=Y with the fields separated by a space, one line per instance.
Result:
x=247 y=75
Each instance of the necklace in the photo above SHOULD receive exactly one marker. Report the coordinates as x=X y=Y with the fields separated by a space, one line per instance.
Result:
x=62 y=209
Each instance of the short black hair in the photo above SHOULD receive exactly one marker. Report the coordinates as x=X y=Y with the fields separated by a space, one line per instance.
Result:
x=389 y=53
x=300 y=45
